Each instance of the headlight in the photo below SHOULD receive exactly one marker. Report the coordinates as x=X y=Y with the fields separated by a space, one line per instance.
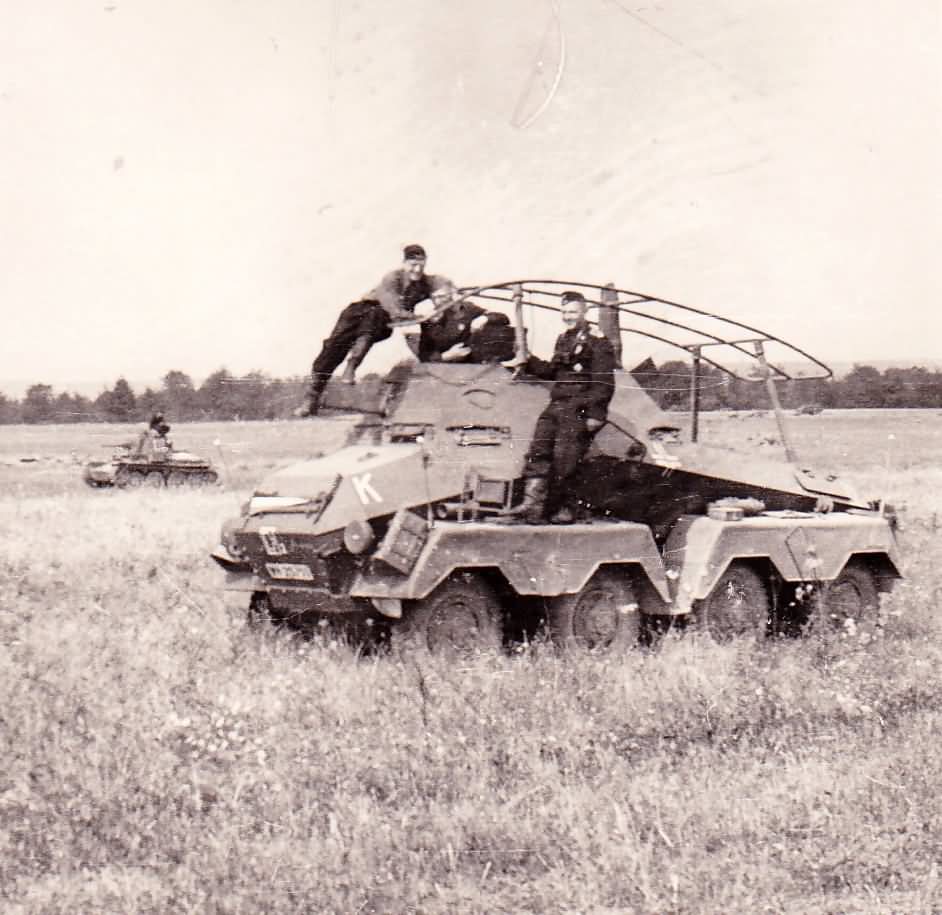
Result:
x=228 y=537
x=358 y=537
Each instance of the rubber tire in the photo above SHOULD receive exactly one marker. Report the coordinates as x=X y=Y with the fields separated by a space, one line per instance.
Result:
x=460 y=617
x=131 y=479
x=176 y=479
x=594 y=619
x=259 y=611
x=738 y=605
x=853 y=595
x=154 y=480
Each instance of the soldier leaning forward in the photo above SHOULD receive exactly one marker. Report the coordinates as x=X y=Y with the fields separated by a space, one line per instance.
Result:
x=582 y=369
x=363 y=323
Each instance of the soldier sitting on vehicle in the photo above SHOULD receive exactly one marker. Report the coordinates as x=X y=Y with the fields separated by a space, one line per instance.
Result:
x=463 y=331
x=363 y=323
x=154 y=437
x=583 y=372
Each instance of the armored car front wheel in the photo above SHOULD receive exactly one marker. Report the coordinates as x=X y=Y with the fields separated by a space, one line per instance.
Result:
x=461 y=616
x=603 y=616
x=738 y=605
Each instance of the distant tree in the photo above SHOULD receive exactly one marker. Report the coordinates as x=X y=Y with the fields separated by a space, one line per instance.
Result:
x=74 y=408
x=217 y=396
x=256 y=396
x=101 y=406
x=38 y=405
x=931 y=389
x=179 y=396
x=9 y=411
x=862 y=387
x=148 y=403
x=672 y=385
x=121 y=405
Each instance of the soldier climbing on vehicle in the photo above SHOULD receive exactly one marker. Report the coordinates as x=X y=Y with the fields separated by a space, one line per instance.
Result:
x=582 y=371
x=367 y=321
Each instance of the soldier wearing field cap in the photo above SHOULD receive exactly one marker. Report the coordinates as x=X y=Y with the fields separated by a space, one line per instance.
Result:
x=367 y=321
x=400 y=290
x=583 y=372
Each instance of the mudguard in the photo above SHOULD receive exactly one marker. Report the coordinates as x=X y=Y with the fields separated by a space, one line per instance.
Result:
x=802 y=546
x=535 y=558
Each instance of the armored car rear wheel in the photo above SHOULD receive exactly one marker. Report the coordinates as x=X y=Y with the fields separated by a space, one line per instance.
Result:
x=603 y=616
x=849 y=601
x=738 y=605
x=461 y=616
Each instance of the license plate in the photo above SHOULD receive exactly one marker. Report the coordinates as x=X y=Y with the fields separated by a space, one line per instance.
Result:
x=294 y=571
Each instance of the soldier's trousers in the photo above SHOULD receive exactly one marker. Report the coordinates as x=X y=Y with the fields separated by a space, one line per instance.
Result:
x=366 y=318
x=560 y=441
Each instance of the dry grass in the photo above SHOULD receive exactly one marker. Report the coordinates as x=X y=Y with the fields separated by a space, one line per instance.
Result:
x=161 y=757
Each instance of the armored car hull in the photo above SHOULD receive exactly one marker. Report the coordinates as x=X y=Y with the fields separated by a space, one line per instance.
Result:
x=403 y=528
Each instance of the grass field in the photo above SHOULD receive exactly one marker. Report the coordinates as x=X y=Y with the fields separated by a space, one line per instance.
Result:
x=159 y=756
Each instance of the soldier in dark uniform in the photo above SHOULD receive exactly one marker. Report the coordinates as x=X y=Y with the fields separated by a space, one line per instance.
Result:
x=460 y=333
x=154 y=437
x=583 y=372
x=363 y=323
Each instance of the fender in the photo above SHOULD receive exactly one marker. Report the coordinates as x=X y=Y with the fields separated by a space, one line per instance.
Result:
x=802 y=546
x=535 y=558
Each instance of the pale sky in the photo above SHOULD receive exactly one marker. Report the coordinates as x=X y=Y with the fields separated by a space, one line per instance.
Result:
x=193 y=185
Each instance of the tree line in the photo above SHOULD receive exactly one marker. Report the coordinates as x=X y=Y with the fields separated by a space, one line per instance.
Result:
x=223 y=396
x=863 y=386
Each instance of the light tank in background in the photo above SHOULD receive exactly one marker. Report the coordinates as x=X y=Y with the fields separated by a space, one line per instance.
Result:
x=401 y=529
x=155 y=464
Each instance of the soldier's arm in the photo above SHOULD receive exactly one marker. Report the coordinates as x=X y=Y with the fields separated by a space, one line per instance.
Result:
x=541 y=368
x=602 y=373
x=387 y=294
x=547 y=370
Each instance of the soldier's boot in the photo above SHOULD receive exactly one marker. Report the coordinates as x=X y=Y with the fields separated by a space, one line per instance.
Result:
x=531 y=509
x=314 y=393
x=563 y=515
x=358 y=351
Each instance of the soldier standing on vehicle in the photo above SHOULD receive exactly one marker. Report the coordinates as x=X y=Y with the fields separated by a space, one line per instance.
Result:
x=453 y=333
x=582 y=369
x=367 y=321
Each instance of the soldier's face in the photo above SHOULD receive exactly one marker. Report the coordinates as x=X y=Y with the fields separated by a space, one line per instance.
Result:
x=573 y=314
x=414 y=268
x=442 y=297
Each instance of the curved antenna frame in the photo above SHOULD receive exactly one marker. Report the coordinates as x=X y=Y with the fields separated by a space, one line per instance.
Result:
x=728 y=332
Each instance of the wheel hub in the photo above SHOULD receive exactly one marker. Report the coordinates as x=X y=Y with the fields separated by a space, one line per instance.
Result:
x=596 y=620
x=455 y=627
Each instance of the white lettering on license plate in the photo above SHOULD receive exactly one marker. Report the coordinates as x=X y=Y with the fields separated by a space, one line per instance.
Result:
x=295 y=571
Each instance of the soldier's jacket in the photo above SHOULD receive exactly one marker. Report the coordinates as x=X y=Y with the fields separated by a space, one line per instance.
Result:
x=454 y=326
x=396 y=293
x=583 y=369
